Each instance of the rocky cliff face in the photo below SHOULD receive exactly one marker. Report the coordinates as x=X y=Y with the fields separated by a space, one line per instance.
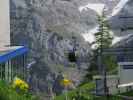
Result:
x=51 y=29
x=122 y=24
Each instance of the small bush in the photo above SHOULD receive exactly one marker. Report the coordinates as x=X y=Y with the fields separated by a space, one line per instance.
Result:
x=8 y=93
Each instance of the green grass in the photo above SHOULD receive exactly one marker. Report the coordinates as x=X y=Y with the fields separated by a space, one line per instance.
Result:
x=109 y=98
x=130 y=93
x=84 y=89
x=86 y=94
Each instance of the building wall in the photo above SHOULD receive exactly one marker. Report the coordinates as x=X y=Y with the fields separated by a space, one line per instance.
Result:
x=4 y=23
x=111 y=84
x=125 y=72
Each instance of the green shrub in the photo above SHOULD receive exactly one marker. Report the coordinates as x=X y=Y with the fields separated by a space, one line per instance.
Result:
x=80 y=93
x=8 y=93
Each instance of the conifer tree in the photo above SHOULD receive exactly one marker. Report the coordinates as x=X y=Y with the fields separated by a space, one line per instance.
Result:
x=103 y=40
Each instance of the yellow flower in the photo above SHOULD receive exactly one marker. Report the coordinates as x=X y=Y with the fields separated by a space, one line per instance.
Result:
x=20 y=84
x=17 y=82
x=66 y=82
x=24 y=87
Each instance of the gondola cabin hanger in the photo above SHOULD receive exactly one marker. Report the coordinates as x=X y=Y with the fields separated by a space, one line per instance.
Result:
x=72 y=56
x=72 y=53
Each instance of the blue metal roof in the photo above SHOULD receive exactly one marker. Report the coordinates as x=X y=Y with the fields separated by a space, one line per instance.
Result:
x=13 y=53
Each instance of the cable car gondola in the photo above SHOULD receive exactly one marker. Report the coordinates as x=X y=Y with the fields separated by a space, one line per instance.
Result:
x=72 y=56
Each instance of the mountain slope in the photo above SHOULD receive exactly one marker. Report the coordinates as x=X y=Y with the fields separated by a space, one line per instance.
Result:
x=122 y=24
x=51 y=29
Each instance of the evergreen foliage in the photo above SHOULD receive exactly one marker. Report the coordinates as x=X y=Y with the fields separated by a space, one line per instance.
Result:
x=103 y=40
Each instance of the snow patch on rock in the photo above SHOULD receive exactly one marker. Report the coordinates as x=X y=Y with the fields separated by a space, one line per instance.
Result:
x=89 y=36
x=119 y=6
x=98 y=7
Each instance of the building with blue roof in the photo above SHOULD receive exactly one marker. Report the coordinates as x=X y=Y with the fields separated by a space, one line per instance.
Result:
x=13 y=62
x=12 y=58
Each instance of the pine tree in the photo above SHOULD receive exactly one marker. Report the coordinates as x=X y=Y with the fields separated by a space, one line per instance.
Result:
x=103 y=38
